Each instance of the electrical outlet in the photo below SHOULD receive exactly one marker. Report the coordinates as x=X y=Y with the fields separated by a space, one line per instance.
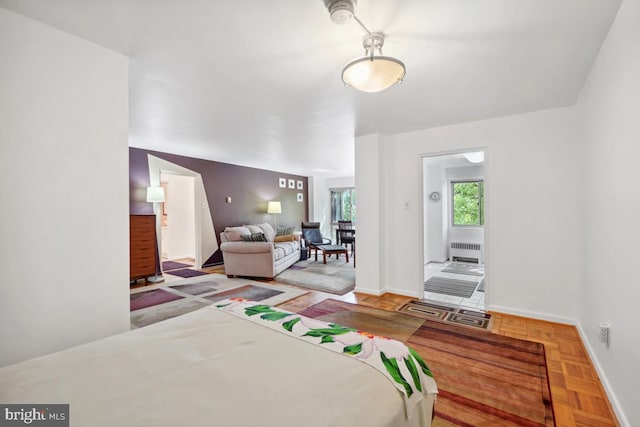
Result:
x=604 y=333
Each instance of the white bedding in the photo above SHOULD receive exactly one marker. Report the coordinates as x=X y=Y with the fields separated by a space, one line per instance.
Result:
x=209 y=368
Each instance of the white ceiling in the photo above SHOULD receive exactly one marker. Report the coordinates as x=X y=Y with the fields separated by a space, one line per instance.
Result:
x=258 y=83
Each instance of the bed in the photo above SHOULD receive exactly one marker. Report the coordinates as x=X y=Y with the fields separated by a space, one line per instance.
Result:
x=212 y=367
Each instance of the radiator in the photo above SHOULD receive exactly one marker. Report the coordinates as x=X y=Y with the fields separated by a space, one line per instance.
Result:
x=465 y=251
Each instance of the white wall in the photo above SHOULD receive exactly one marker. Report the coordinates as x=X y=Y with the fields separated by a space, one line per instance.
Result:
x=434 y=214
x=533 y=219
x=320 y=208
x=609 y=108
x=65 y=241
x=370 y=192
x=181 y=241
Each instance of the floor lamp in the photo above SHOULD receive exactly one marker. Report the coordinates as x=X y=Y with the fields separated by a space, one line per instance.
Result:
x=274 y=208
x=155 y=195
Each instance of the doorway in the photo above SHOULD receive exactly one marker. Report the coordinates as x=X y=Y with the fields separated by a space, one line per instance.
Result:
x=453 y=190
x=178 y=221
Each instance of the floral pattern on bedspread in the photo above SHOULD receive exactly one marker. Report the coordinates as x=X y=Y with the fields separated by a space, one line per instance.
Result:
x=404 y=367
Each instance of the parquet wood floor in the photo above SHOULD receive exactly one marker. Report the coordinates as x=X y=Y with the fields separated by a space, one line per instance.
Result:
x=576 y=392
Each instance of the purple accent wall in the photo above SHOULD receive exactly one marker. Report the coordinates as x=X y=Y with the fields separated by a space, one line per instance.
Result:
x=249 y=188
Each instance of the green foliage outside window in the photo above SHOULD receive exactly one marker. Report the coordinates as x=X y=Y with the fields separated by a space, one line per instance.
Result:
x=468 y=203
x=343 y=205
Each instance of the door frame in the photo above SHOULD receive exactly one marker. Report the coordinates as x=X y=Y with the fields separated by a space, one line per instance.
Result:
x=487 y=208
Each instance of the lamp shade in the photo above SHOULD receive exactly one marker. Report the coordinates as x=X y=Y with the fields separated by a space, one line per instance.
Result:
x=274 y=208
x=373 y=73
x=155 y=194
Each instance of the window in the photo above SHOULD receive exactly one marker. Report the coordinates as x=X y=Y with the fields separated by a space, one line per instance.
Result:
x=467 y=203
x=343 y=204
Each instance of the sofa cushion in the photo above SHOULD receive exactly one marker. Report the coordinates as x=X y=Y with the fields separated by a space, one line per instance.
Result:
x=234 y=234
x=278 y=253
x=288 y=247
x=268 y=231
x=255 y=237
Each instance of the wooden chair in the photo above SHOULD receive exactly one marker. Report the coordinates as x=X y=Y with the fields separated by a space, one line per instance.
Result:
x=346 y=235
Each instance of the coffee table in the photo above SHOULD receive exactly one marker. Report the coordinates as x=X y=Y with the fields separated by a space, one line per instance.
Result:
x=330 y=250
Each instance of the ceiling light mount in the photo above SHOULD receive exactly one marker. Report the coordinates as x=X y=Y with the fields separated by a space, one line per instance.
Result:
x=341 y=11
x=372 y=42
x=371 y=72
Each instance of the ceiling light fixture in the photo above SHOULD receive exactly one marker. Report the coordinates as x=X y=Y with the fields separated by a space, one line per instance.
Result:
x=371 y=72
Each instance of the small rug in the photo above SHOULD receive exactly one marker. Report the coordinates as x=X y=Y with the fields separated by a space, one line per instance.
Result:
x=337 y=277
x=483 y=379
x=444 y=313
x=183 y=296
x=150 y=298
x=173 y=265
x=186 y=272
x=447 y=286
x=464 y=268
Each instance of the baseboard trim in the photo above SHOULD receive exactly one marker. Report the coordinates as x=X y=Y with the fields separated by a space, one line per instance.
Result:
x=376 y=292
x=532 y=314
x=403 y=292
x=615 y=404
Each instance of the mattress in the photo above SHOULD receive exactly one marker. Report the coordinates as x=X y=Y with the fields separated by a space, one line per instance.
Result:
x=210 y=368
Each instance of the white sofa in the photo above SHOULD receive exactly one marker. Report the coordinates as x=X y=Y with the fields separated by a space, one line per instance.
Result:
x=255 y=258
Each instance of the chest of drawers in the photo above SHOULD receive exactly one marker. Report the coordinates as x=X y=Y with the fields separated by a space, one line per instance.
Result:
x=142 y=246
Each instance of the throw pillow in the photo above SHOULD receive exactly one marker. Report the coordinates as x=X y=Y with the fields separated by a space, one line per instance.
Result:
x=254 y=228
x=287 y=238
x=268 y=231
x=284 y=231
x=255 y=237
x=234 y=234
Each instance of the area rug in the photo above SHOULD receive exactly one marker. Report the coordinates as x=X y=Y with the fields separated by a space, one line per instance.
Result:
x=186 y=272
x=483 y=379
x=146 y=299
x=447 y=286
x=445 y=313
x=464 y=268
x=336 y=277
x=173 y=265
x=183 y=296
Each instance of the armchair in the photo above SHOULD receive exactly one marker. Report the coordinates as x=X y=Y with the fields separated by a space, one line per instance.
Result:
x=313 y=237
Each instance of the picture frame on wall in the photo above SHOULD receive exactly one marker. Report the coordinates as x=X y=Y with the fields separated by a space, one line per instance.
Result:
x=299 y=185
x=300 y=197
x=282 y=182
x=292 y=183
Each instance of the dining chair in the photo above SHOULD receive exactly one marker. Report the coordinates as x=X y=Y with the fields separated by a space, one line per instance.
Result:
x=346 y=234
